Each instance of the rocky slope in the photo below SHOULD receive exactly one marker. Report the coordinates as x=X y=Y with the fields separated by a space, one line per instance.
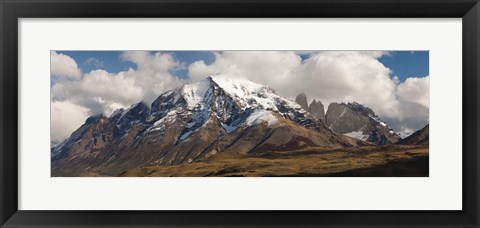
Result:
x=358 y=121
x=191 y=123
x=418 y=138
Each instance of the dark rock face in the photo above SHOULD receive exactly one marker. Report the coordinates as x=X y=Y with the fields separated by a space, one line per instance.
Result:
x=126 y=119
x=316 y=110
x=301 y=99
x=344 y=118
x=193 y=122
x=360 y=122
x=418 y=138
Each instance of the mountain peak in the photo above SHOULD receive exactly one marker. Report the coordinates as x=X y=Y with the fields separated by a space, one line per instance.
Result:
x=94 y=118
x=223 y=99
x=317 y=110
x=359 y=121
x=238 y=86
x=301 y=99
x=195 y=93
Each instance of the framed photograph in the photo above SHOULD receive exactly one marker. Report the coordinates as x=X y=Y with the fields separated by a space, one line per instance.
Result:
x=227 y=113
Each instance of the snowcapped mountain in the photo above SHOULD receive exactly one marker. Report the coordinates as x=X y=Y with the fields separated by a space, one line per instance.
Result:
x=358 y=121
x=224 y=99
x=193 y=122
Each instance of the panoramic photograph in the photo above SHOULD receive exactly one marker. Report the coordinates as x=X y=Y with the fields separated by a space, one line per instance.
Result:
x=308 y=113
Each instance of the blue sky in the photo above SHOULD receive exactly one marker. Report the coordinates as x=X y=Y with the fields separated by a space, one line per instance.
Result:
x=407 y=63
x=403 y=64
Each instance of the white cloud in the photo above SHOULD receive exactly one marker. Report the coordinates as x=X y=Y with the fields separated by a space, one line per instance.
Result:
x=153 y=74
x=63 y=66
x=413 y=105
x=158 y=62
x=272 y=68
x=99 y=91
x=66 y=117
x=347 y=76
x=414 y=90
x=198 y=70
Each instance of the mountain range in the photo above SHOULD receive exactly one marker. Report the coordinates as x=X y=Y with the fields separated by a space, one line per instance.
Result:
x=218 y=115
x=197 y=121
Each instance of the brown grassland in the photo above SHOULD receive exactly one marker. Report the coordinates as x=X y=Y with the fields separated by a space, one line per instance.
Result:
x=370 y=161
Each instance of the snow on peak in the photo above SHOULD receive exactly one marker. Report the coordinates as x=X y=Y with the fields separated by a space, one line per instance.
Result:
x=195 y=93
x=238 y=87
x=233 y=101
x=246 y=94
x=378 y=120
x=252 y=95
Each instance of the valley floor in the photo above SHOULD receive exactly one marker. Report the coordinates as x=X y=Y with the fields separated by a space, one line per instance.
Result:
x=388 y=161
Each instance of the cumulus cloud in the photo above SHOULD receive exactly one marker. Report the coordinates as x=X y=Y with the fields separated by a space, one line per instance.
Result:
x=99 y=91
x=63 y=66
x=158 y=62
x=347 y=76
x=154 y=72
x=415 y=90
x=413 y=105
x=66 y=117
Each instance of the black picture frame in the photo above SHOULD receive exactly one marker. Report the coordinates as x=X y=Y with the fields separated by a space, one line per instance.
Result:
x=12 y=10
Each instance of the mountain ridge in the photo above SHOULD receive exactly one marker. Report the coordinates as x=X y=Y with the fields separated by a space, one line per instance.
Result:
x=190 y=123
x=359 y=121
x=351 y=119
x=418 y=138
